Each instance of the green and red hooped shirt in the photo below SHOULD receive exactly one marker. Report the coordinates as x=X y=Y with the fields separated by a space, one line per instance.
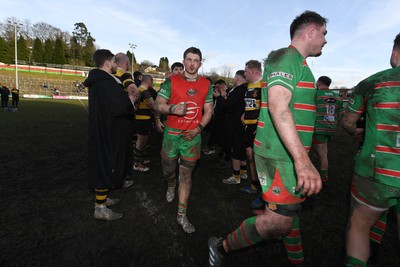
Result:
x=288 y=68
x=329 y=110
x=379 y=97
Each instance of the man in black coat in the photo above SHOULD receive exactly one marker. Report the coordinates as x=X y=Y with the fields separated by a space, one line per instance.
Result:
x=4 y=96
x=109 y=110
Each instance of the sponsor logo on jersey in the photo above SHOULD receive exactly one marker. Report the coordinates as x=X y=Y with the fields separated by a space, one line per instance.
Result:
x=191 y=92
x=330 y=100
x=280 y=74
x=192 y=110
x=250 y=103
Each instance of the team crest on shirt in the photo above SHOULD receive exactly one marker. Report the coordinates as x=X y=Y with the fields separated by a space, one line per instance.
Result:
x=191 y=92
x=276 y=190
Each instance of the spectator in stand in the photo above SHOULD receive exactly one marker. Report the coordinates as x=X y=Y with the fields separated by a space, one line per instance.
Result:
x=5 y=96
x=109 y=110
x=137 y=77
x=329 y=112
x=144 y=123
x=15 y=97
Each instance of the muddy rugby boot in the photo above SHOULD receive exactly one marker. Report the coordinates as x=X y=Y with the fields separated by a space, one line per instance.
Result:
x=215 y=256
x=186 y=225
x=104 y=213
x=231 y=180
x=170 y=194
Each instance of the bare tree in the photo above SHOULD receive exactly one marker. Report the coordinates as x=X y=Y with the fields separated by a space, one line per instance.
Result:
x=44 y=31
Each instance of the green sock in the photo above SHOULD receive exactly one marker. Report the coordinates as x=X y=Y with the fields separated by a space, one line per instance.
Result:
x=244 y=236
x=292 y=242
x=378 y=230
x=182 y=208
x=353 y=262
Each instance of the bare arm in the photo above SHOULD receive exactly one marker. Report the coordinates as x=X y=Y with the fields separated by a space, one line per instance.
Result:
x=161 y=106
x=133 y=93
x=308 y=177
x=349 y=123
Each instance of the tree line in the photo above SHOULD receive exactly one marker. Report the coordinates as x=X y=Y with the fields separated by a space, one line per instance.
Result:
x=41 y=43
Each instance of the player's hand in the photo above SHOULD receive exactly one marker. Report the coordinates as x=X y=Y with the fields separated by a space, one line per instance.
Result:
x=189 y=135
x=180 y=109
x=308 y=179
x=159 y=126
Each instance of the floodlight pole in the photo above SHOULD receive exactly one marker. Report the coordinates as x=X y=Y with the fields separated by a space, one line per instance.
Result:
x=15 y=24
x=202 y=63
x=132 y=46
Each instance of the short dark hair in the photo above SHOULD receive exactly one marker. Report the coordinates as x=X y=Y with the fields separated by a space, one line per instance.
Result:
x=396 y=44
x=177 y=64
x=241 y=74
x=193 y=50
x=220 y=81
x=100 y=56
x=304 y=19
x=136 y=74
x=325 y=80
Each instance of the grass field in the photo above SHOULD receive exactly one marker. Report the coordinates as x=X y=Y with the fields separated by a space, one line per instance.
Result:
x=47 y=211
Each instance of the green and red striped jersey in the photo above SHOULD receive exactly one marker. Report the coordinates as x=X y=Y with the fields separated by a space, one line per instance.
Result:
x=288 y=68
x=329 y=110
x=379 y=97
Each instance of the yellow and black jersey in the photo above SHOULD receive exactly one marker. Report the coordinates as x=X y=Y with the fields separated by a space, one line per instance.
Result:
x=125 y=78
x=144 y=112
x=252 y=100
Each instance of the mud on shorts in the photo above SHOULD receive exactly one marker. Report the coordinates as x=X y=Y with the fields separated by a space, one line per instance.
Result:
x=373 y=194
x=321 y=139
x=174 y=146
x=278 y=183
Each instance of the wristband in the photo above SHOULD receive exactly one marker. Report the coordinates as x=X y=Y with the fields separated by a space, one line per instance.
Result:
x=201 y=127
x=171 y=107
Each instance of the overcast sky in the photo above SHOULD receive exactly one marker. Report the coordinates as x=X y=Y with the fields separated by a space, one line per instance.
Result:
x=229 y=33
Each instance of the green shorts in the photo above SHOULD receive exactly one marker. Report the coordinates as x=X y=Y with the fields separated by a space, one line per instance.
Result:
x=375 y=195
x=321 y=138
x=174 y=146
x=278 y=181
